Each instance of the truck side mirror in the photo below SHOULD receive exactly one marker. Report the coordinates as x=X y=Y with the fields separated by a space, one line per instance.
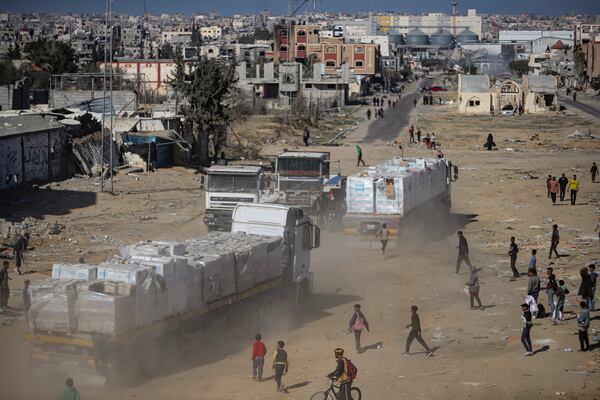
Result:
x=317 y=237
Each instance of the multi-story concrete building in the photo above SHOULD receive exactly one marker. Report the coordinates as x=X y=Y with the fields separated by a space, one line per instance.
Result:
x=211 y=33
x=429 y=23
x=587 y=52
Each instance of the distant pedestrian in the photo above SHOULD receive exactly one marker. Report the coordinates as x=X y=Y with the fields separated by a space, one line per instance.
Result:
x=383 y=234
x=19 y=250
x=533 y=260
x=583 y=324
x=563 y=181
x=554 y=241
x=259 y=351
x=594 y=172
x=415 y=333
x=419 y=135
x=280 y=365
x=473 y=288
x=70 y=392
x=374 y=101
x=512 y=252
x=428 y=141
x=597 y=229
x=551 y=288
x=389 y=103
x=306 y=136
x=548 y=180
x=560 y=301
x=489 y=143
x=357 y=323
x=4 y=287
x=553 y=189
x=433 y=143
x=594 y=277
x=533 y=285
x=381 y=112
x=26 y=296
x=376 y=112
x=574 y=96
x=359 y=155
x=463 y=252
x=573 y=188
x=415 y=102
x=411 y=134
x=586 y=286
x=369 y=114
x=527 y=323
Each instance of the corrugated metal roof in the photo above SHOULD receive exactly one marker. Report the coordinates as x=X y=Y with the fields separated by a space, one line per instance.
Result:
x=542 y=83
x=474 y=83
x=27 y=123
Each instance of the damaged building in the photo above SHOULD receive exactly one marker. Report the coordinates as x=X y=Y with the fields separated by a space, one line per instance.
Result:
x=540 y=94
x=474 y=94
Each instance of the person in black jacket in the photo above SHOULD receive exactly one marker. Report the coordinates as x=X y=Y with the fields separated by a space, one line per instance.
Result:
x=512 y=252
x=357 y=323
x=563 y=181
x=463 y=252
x=415 y=333
x=586 y=289
x=554 y=241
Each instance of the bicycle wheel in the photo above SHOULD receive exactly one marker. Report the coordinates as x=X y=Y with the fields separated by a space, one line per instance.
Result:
x=355 y=393
x=323 y=395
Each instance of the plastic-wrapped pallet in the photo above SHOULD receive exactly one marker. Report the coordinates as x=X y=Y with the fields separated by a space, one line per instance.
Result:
x=53 y=305
x=106 y=307
x=128 y=273
x=151 y=299
x=153 y=249
x=359 y=194
x=210 y=277
x=82 y=272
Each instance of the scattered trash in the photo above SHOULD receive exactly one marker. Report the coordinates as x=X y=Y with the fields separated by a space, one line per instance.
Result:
x=569 y=350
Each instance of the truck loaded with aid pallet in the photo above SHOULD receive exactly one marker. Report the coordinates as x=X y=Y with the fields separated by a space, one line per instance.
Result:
x=135 y=315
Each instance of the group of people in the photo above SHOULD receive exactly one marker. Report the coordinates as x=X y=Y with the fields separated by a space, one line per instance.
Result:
x=377 y=112
x=430 y=140
x=558 y=187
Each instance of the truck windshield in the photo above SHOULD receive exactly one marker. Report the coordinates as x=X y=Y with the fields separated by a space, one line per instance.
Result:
x=232 y=183
x=300 y=167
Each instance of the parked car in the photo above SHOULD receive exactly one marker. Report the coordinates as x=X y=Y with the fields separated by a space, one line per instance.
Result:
x=438 y=89
x=508 y=110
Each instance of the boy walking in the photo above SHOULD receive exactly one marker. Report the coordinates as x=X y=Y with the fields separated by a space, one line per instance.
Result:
x=259 y=350
x=415 y=333
x=554 y=241
x=526 y=332
x=280 y=365
x=359 y=156
x=383 y=235
x=533 y=260
x=357 y=323
x=512 y=252
x=583 y=323
x=560 y=301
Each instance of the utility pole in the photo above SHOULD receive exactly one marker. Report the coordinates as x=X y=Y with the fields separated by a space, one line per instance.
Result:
x=110 y=80
x=104 y=96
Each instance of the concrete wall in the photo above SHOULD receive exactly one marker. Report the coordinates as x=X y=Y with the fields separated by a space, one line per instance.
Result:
x=475 y=103
x=33 y=157
x=65 y=98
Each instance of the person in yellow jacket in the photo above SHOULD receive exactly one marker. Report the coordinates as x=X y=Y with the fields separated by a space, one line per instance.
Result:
x=280 y=365
x=573 y=188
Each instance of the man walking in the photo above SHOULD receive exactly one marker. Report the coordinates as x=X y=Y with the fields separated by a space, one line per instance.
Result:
x=383 y=235
x=551 y=288
x=411 y=134
x=563 y=181
x=594 y=172
x=583 y=324
x=359 y=155
x=548 y=184
x=369 y=114
x=533 y=284
x=473 y=285
x=357 y=323
x=573 y=188
x=594 y=277
x=512 y=252
x=259 y=350
x=419 y=135
x=306 y=136
x=526 y=332
x=20 y=248
x=415 y=333
x=4 y=288
x=463 y=252
x=553 y=189
x=554 y=241
x=280 y=365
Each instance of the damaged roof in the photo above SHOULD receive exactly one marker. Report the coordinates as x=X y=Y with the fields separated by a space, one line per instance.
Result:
x=474 y=83
x=541 y=83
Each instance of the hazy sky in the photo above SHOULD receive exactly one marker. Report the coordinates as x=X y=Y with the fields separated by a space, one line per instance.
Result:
x=229 y=7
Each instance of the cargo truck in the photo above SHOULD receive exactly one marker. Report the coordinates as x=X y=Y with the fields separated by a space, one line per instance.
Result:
x=96 y=346
x=392 y=192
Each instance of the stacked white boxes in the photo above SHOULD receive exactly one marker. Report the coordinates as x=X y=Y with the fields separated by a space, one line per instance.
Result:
x=53 y=305
x=82 y=272
x=396 y=186
x=106 y=307
x=151 y=281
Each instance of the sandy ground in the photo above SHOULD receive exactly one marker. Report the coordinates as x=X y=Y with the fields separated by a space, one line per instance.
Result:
x=478 y=353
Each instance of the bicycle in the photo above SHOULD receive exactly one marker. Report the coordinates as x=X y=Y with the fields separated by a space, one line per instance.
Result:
x=332 y=394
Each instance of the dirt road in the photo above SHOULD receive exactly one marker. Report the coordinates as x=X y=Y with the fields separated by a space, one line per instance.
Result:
x=478 y=354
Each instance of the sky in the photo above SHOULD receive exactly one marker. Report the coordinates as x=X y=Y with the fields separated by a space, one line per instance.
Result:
x=278 y=7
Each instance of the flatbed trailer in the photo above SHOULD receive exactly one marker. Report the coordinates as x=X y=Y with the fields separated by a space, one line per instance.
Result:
x=102 y=359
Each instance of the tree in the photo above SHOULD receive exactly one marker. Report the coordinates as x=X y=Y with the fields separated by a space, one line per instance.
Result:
x=52 y=56
x=209 y=95
x=14 y=52
x=8 y=73
x=519 y=67
x=165 y=51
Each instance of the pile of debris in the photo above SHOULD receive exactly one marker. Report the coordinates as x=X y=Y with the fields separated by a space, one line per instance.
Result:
x=92 y=152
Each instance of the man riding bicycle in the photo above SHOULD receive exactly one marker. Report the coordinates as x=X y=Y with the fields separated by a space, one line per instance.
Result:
x=342 y=375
